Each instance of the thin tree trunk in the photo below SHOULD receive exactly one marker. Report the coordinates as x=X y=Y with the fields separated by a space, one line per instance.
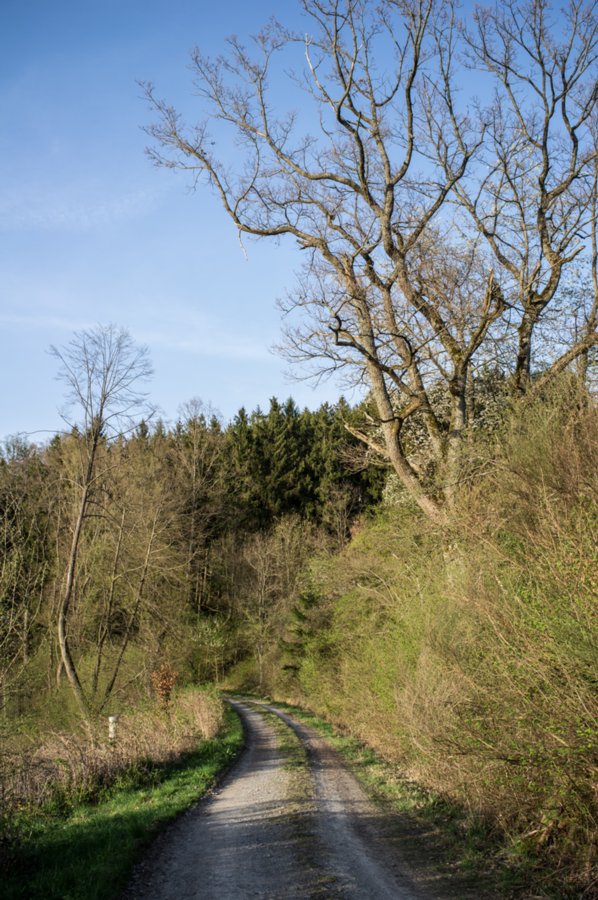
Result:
x=63 y=611
x=65 y=652
x=105 y=626
x=454 y=440
x=132 y=617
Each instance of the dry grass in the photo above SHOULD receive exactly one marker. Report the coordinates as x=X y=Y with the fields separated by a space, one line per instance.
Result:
x=70 y=767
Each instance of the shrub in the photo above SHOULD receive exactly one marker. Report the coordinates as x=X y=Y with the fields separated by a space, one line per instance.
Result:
x=469 y=659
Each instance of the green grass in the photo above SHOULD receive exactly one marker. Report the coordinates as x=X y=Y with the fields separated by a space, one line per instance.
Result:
x=88 y=853
x=460 y=842
x=289 y=745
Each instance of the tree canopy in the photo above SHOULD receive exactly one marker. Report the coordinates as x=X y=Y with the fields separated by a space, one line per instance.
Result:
x=440 y=230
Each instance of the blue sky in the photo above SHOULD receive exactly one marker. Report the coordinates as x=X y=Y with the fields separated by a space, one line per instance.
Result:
x=91 y=232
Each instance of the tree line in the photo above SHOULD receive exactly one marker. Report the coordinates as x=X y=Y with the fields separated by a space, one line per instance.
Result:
x=126 y=542
x=270 y=553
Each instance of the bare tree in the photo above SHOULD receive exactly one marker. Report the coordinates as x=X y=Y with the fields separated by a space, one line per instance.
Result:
x=398 y=288
x=198 y=460
x=103 y=370
x=532 y=194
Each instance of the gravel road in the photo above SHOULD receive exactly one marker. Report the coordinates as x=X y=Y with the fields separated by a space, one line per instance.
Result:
x=270 y=831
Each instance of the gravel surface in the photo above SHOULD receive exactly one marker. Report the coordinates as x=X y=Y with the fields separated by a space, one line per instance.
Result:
x=272 y=832
x=351 y=832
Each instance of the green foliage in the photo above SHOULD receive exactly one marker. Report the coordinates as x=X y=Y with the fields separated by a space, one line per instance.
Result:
x=465 y=655
x=469 y=657
x=26 y=560
x=289 y=461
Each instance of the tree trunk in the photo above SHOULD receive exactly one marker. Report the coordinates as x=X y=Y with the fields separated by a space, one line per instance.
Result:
x=65 y=653
x=132 y=617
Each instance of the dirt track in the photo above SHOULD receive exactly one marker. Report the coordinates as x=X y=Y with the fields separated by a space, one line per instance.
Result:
x=270 y=832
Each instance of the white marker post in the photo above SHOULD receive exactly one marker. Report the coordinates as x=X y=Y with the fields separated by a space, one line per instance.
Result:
x=112 y=720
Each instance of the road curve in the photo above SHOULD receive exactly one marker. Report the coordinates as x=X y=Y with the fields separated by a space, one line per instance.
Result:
x=259 y=835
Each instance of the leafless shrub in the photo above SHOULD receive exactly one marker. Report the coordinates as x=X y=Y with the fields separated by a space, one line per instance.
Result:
x=163 y=681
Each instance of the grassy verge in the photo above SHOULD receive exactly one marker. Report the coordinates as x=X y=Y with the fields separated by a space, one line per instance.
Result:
x=88 y=853
x=296 y=760
x=461 y=843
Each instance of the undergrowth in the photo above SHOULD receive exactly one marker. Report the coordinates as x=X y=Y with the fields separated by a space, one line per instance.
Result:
x=461 y=842
x=69 y=850
x=466 y=657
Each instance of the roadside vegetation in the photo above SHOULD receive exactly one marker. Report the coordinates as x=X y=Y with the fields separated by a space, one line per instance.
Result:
x=471 y=667
x=77 y=833
x=433 y=830
x=418 y=567
x=464 y=656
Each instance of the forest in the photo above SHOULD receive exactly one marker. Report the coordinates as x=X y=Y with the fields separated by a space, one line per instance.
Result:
x=418 y=566
x=189 y=545
x=272 y=554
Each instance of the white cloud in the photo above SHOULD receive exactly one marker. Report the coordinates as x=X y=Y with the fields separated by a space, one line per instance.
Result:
x=75 y=207
x=210 y=341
